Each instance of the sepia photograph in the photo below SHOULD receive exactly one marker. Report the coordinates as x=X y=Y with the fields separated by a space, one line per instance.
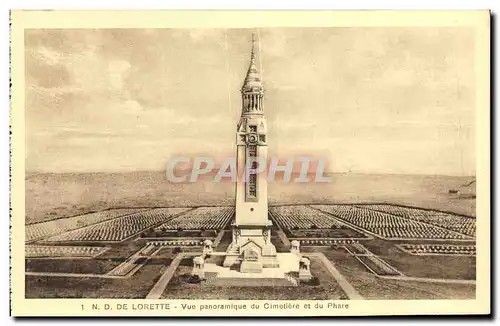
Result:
x=281 y=164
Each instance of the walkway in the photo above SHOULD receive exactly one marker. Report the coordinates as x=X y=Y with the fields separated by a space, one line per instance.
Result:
x=428 y=280
x=162 y=283
x=218 y=238
x=283 y=238
x=349 y=290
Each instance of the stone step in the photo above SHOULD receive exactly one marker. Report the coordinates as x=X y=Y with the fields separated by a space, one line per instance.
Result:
x=268 y=252
x=247 y=281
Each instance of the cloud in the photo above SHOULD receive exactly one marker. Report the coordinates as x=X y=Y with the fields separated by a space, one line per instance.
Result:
x=130 y=106
x=47 y=56
x=98 y=96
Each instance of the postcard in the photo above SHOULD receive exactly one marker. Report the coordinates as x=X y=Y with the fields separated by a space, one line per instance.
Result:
x=250 y=163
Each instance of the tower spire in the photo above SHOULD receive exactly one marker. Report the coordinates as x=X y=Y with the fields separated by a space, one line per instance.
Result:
x=252 y=90
x=252 y=54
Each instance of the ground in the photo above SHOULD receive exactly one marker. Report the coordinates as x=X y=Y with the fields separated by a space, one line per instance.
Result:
x=57 y=195
x=362 y=242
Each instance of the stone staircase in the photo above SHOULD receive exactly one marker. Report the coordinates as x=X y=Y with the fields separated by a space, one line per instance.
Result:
x=266 y=251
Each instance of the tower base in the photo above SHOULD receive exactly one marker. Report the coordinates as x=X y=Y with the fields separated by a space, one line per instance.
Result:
x=251 y=250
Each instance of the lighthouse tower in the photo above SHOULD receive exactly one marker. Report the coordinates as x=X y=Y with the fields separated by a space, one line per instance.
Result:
x=251 y=247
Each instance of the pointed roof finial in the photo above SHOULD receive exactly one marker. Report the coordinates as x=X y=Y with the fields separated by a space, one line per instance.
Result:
x=252 y=81
x=252 y=55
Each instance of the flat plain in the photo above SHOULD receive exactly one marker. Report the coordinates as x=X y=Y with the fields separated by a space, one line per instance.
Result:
x=117 y=235
x=56 y=195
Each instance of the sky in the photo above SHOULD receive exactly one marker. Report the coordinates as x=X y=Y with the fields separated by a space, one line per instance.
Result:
x=368 y=100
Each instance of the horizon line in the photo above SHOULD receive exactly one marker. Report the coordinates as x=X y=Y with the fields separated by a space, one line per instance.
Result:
x=325 y=172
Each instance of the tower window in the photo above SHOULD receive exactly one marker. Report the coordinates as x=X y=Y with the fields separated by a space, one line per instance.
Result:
x=253 y=128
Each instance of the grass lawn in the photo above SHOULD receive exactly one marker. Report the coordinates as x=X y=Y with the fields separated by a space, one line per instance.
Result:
x=373 y=287
x=435 y=266
x=78 y=266
x=136 y=287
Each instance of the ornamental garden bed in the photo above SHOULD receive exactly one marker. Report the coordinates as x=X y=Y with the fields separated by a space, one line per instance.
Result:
x=164 y=233
x=324 y=242
x=341 y=233
x=439 y=249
